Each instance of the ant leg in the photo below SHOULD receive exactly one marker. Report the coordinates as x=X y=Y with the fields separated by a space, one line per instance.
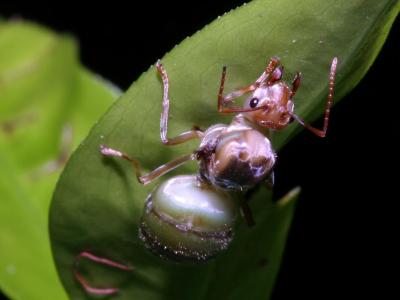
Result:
x=295 y=85
x=223 y=100
x=270 y=181
x=99 y=260
x=318 y=132
x=149 y=177
x=246 y=213
x=183 y=137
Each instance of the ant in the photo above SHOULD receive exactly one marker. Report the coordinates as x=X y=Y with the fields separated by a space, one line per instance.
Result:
x=234 y=157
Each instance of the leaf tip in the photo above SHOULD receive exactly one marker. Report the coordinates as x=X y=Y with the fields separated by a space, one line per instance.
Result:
x=289 y=197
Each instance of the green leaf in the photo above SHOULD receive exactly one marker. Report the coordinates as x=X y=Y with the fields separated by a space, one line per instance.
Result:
x=43 y=92
x=97 y=204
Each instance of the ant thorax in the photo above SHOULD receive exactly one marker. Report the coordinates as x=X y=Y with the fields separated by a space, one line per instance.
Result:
x=236 y=156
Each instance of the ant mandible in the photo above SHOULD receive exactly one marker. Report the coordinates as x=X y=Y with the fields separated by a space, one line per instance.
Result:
x=234 y=157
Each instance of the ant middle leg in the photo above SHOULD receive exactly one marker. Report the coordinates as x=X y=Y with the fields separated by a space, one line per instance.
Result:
x=223 y=100
x=183 y=137
x=149 y=177
x=295 y=84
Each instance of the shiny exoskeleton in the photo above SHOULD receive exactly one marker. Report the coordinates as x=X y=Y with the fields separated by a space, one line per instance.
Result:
x=235 y=157
x=191 y=218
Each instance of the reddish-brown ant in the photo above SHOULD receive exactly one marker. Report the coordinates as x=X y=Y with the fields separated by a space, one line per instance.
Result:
x=198 y=209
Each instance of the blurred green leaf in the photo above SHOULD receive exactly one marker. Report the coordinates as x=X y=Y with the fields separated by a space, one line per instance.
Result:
x=97 y=204
x=44 y=94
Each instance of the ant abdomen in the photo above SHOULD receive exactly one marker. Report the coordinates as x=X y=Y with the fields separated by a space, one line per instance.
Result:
x=186 y=220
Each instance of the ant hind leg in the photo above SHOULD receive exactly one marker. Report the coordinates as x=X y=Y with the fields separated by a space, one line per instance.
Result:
x=100 y=260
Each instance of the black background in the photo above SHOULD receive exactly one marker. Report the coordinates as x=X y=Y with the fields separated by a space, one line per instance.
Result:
x=339 y=234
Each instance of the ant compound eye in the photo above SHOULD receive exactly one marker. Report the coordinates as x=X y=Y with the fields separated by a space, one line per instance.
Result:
x=253 y=102
x=185 y=220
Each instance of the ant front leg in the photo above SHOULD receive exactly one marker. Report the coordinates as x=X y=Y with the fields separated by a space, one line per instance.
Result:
x=100 y=260
x=318 y=132
x=223 y=100
x=183 y=137
x=149 y=177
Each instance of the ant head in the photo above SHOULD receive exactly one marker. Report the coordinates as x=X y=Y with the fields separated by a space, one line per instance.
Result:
x=273 y=98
